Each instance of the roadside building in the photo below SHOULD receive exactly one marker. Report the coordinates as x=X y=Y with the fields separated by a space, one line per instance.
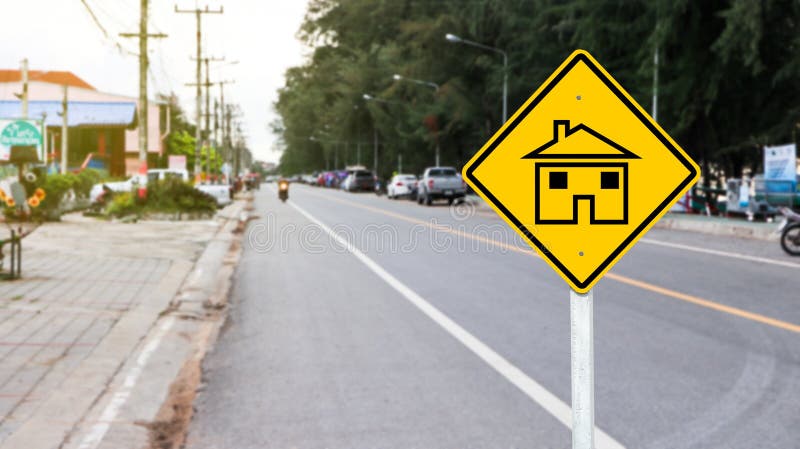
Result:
x=95 y=129
x=101 y=124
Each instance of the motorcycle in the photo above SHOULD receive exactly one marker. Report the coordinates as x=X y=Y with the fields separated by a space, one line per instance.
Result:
x=790 y=232
x=283 y=190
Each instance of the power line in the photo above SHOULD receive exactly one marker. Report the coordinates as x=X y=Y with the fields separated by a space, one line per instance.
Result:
x=108 y=37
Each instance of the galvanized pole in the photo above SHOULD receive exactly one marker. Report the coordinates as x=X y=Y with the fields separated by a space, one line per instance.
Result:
x=582 y=332
x=505 y=88
x=375 y=150
x=437 y=148
x=655 y=86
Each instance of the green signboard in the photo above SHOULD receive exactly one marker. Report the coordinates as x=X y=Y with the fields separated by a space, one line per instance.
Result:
x=18 y=133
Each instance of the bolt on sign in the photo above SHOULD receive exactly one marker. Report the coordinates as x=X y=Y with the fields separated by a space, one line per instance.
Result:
x=581 y=171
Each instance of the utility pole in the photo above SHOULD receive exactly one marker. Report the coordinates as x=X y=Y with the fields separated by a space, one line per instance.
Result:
x=44 y=137
x=64 y=128
x=225 y=124
x=24 y=88
x=207 y=131
x=237 y=155
x=142 y=35
x=216 y=124
x=199 y=93
x=208 y=110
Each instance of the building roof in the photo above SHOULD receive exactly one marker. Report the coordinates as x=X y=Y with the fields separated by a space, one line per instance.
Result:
x=80 y=113
x=53 y=76
x=579 y=142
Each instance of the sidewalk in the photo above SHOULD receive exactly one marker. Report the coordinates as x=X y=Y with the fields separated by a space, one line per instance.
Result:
x=90 y=292
x=734 y=227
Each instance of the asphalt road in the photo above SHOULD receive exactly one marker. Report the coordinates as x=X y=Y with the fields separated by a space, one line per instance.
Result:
x=436 y=327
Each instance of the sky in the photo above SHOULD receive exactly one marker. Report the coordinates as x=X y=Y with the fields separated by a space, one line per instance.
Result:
x=259 y=34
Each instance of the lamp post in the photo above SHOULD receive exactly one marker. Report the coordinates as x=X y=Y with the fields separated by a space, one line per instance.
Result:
x=457 y=40
x=430 y=84
x=368 y=97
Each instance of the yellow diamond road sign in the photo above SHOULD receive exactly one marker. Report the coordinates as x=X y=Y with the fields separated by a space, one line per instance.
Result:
x=581 y=171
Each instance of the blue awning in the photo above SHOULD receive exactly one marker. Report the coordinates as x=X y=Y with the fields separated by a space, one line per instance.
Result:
x=81 y=113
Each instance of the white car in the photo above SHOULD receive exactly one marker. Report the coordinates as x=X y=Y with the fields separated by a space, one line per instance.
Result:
x=220 y=192
x=401 y=185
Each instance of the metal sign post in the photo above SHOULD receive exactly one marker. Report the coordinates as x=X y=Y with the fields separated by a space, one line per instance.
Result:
x=581 y=314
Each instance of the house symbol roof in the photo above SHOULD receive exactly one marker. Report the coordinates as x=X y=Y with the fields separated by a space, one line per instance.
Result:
x=579 y=142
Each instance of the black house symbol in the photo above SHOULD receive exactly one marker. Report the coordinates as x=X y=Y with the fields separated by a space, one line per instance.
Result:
x=580 y=164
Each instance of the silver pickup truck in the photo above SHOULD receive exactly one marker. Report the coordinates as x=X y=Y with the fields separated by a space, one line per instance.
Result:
x=440 y=183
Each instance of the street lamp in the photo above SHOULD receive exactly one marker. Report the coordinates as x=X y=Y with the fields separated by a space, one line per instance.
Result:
x=368 y=97
x=430 y=84
x=457 y=40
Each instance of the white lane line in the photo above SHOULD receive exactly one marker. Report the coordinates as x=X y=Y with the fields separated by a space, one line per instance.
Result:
x=547 y=400
x=96 y=433
x=780 y=263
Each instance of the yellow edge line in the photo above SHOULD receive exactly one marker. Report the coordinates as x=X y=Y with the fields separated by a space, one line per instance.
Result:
x=616 y=277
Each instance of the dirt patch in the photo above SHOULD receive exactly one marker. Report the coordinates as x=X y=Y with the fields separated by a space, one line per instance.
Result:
x=169 y=429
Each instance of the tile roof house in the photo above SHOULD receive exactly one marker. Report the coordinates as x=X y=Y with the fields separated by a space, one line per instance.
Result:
x=52 y=77
x=91 y=109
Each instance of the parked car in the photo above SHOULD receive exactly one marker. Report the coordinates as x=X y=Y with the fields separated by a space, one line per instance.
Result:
x=401 y=185
x=359 y=180
x=221 y=192
x=135 y=181
x=440 y=183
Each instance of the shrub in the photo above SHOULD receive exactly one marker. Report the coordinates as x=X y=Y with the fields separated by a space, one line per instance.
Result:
x=85 y=180
x=122 y=204
x=56 y=186
x=174 y=195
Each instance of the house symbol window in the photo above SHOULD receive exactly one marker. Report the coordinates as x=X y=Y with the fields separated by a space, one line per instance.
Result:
x=580 y=164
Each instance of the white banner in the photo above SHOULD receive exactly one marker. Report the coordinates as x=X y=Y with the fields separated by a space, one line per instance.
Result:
x=780 y=163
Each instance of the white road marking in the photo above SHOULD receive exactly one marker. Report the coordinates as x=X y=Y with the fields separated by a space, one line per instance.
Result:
x=547 y=400
x=732 y=255
x=96 y=433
